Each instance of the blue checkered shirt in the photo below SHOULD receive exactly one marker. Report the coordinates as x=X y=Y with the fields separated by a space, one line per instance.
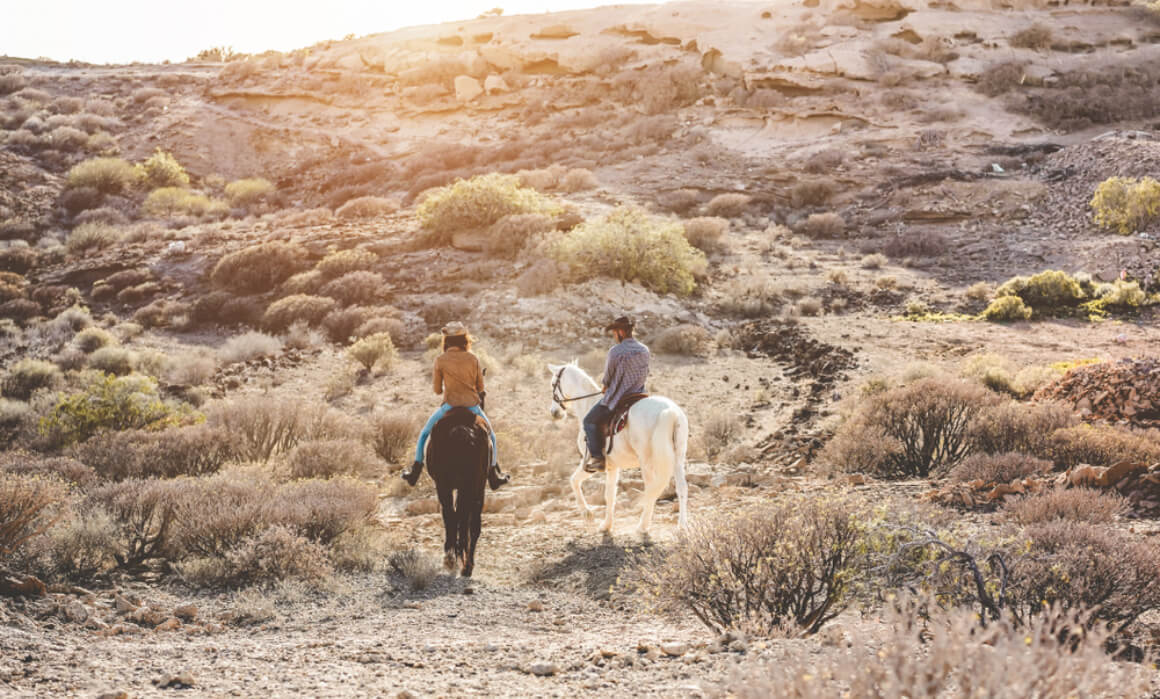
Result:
x=625 y=371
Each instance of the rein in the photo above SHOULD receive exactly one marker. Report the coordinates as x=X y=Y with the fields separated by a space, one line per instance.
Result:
x=558 y=396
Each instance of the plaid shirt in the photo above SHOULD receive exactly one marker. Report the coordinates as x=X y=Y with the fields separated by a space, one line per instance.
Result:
x=625 y=371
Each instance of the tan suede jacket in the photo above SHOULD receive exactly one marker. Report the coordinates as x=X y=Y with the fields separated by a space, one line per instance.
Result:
x=459 y=378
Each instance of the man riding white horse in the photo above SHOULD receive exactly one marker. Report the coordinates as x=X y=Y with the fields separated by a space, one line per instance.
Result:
x=625 y=372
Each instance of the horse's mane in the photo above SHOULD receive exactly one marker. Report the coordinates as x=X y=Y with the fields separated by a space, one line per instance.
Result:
x=575 y=364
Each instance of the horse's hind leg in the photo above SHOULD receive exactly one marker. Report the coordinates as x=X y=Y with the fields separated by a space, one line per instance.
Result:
x=450 y=526
x=474 y=515
x=652 y=490
x=611 y=480
x=463 y=507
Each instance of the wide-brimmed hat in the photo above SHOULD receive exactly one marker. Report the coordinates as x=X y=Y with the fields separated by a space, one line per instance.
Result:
x=621 y=323
x=454 y=329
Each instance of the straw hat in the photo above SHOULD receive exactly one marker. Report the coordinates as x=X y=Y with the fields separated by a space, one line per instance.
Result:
x=454 y=329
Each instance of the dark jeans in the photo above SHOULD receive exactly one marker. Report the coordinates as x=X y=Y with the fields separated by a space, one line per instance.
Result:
x=593 y=421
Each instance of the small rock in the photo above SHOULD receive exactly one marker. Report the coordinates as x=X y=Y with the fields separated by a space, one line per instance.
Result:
x=674 y=649
x=76 y=612
x=544 y=669
x=469 y=590
x=739 y=646
x=114 y=695
x=467 y=88
x=406 y=694
x=186 y=612
x=537 y=517
x=535 y=606
x=412 y=605
x=170 y=624
x=122 y=605
x=183 y=680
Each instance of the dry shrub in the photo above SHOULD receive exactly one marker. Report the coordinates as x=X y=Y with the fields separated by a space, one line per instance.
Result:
x=393 y=436
x=117 y=361
x=1015 y=427
x=916 y=244
x=998 y=468
x=275 y=554
x=1001 y=78
x=78 y=547
x=1006 y=309
x=418 y=569
x=258 y=268
x=809 y=193
x=478 y=203
x=355 y=287
x=874 y=261
x=980 y=291
x=260 y=428
x=27 y=376
x=680 y=201
x=297 y=308
x=249 y=191
x=510 y=234
x=1076 y=505
x=217 y=513
x=342 y=324
x=301 y=336
x=929 y=652
x=162 y=170
x=367 y=207
x=191 y=368
x=106 y=175
x=185 y=451
x=143 y=511
x=103 y=214
x=910 y=430
x=60 y=468
x=630 y=245
x=332 y=457
x=705 y=232
x=1038 y=37
x=342 y=262
x=750 y=298
x=18 y=260
x=178 y=201
x=749 y=571
x=376 y=350
x=306 y=218
x=247 y=346
x=92 y=236
x=578 y=180
x=303 y=283
x=720 y=432
x=685 y=339
x=92 y=339
x=1076 y=565
x=542 y=277
x=1101 y=445
x=827 y=225
x=27 y=508
x=728 y=205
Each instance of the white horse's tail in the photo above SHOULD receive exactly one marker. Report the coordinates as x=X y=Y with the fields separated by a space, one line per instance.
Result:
x=672 y=440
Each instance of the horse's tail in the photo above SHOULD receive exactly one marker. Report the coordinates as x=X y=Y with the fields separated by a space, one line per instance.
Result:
x=672 y=440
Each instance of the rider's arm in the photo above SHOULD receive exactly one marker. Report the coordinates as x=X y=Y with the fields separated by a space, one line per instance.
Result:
x=478 y=377
x=438 y=374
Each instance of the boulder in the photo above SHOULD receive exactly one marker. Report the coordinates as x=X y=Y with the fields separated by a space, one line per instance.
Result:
x=494 y=85
x=467 y=88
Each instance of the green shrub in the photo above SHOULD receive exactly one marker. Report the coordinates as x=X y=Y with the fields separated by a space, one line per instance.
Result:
x=284 y=312
x=1118 y=296
x=1126 y=204
x=1048 y=293
x=789 y=564
x=107 y=175
x=258 y=268
x=1007 y=308
x=629 y=244
x=248 y=191
x=176 y=201
x=27 y=376
x=374 y=350
x=161 y=170
x=105 y=402
x=478 y=203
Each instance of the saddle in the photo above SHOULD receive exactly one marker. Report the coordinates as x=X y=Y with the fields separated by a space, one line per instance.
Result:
x=619 y=419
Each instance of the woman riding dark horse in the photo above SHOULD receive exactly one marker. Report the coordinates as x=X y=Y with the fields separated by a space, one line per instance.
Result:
x=459 y=379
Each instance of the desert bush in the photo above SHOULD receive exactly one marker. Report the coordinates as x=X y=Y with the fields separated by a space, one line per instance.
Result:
x=249 y=191
x=728 y=205
x=980 y=291
x=12 y=81
x=27 y=376
x=721 y=431
x=18 y=260
x=177 y=201
x=306 y=217
x=1015 y=427
x=874 y=261
x=161 y=170
x=28 y=506
x=106 y=175
x=64 y=469
x=355 y=287
x=78 y=547
x=297 y=308
x=1075 y=505
x=393 y=436
x=78 y=199
x=1118 y=296
x=1046 y=293
x=186 y=451
x=1006 y=309
x=705 y=232
x=478 y=203
x=929 y=652
x=104 y=402
x=249 y=345
x=1126 y=204
x=1038 y=37
x=507 y=236
x=542 y=277
x=118 y=361
x=680 y=201
x=367 y=207
x=629 y=244
x=419 y=569
x=191 y=368
x=749 y=571
x=91 y=236
x=376 y=350
x=827 y=225
x=261 y=429
x=685 y=339
x=143 y=514
x=91 y=339
x=578 y=180
x=910 y=430
x=916 y=244
x=343 y=262
x=276 y=554
x=219 y=512
x=332 y=457
x=1076 y=565
x=301 y=336
x=809 y=306
x=1001 y=78
x=324 y=510
x=1100 y=445
x=303 y=283
x=998 y=468
x=817 y=192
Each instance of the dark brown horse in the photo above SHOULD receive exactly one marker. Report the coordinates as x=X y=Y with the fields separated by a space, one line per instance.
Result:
x=457 y=459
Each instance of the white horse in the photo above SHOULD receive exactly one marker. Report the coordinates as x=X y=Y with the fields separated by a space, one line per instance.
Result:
x=656 y=440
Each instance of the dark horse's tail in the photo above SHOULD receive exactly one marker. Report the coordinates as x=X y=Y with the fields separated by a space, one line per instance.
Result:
x=457 y=459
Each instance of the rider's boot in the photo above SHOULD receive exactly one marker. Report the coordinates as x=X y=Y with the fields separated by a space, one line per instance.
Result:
x=496 y=477
x=411 y=473
x=594 y=464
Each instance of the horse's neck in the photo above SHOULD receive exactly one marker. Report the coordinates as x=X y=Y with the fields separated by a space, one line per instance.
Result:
x=582 y=384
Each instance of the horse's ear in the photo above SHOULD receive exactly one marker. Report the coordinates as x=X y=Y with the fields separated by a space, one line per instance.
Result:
x=574 y=362
x=554 y=369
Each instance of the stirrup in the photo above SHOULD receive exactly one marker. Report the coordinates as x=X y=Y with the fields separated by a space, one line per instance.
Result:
x=496 y=477
x=411 y=473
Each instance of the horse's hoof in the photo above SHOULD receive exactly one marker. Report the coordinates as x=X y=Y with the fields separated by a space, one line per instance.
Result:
x=605 y=528
x=589 y=513
x=465 y=571
x=449 y=561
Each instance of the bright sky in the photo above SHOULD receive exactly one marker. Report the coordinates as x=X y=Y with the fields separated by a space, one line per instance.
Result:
x=122 y=31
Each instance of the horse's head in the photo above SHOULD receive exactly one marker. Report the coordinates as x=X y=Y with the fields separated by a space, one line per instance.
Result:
x=569 y=383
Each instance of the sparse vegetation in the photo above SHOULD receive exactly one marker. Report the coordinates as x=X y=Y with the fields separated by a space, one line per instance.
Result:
x=1125 y=204
x=367 y=207
x=1073 y=505
x=705 y=232
x=162 y=171
x=258 y=268
x=106 y=175
x=249 y=191
x=373 y=351
x=478 y=203
x=1007 y=308
x=304 y=308
x=178 y=201
x=88 y=237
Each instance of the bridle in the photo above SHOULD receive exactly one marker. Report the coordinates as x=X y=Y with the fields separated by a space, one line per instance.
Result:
x=558 y=396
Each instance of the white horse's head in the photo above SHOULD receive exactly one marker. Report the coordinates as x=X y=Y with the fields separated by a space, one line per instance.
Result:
x=569 y=383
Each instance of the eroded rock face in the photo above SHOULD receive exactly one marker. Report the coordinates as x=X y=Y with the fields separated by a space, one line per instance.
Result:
x=467 y=88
